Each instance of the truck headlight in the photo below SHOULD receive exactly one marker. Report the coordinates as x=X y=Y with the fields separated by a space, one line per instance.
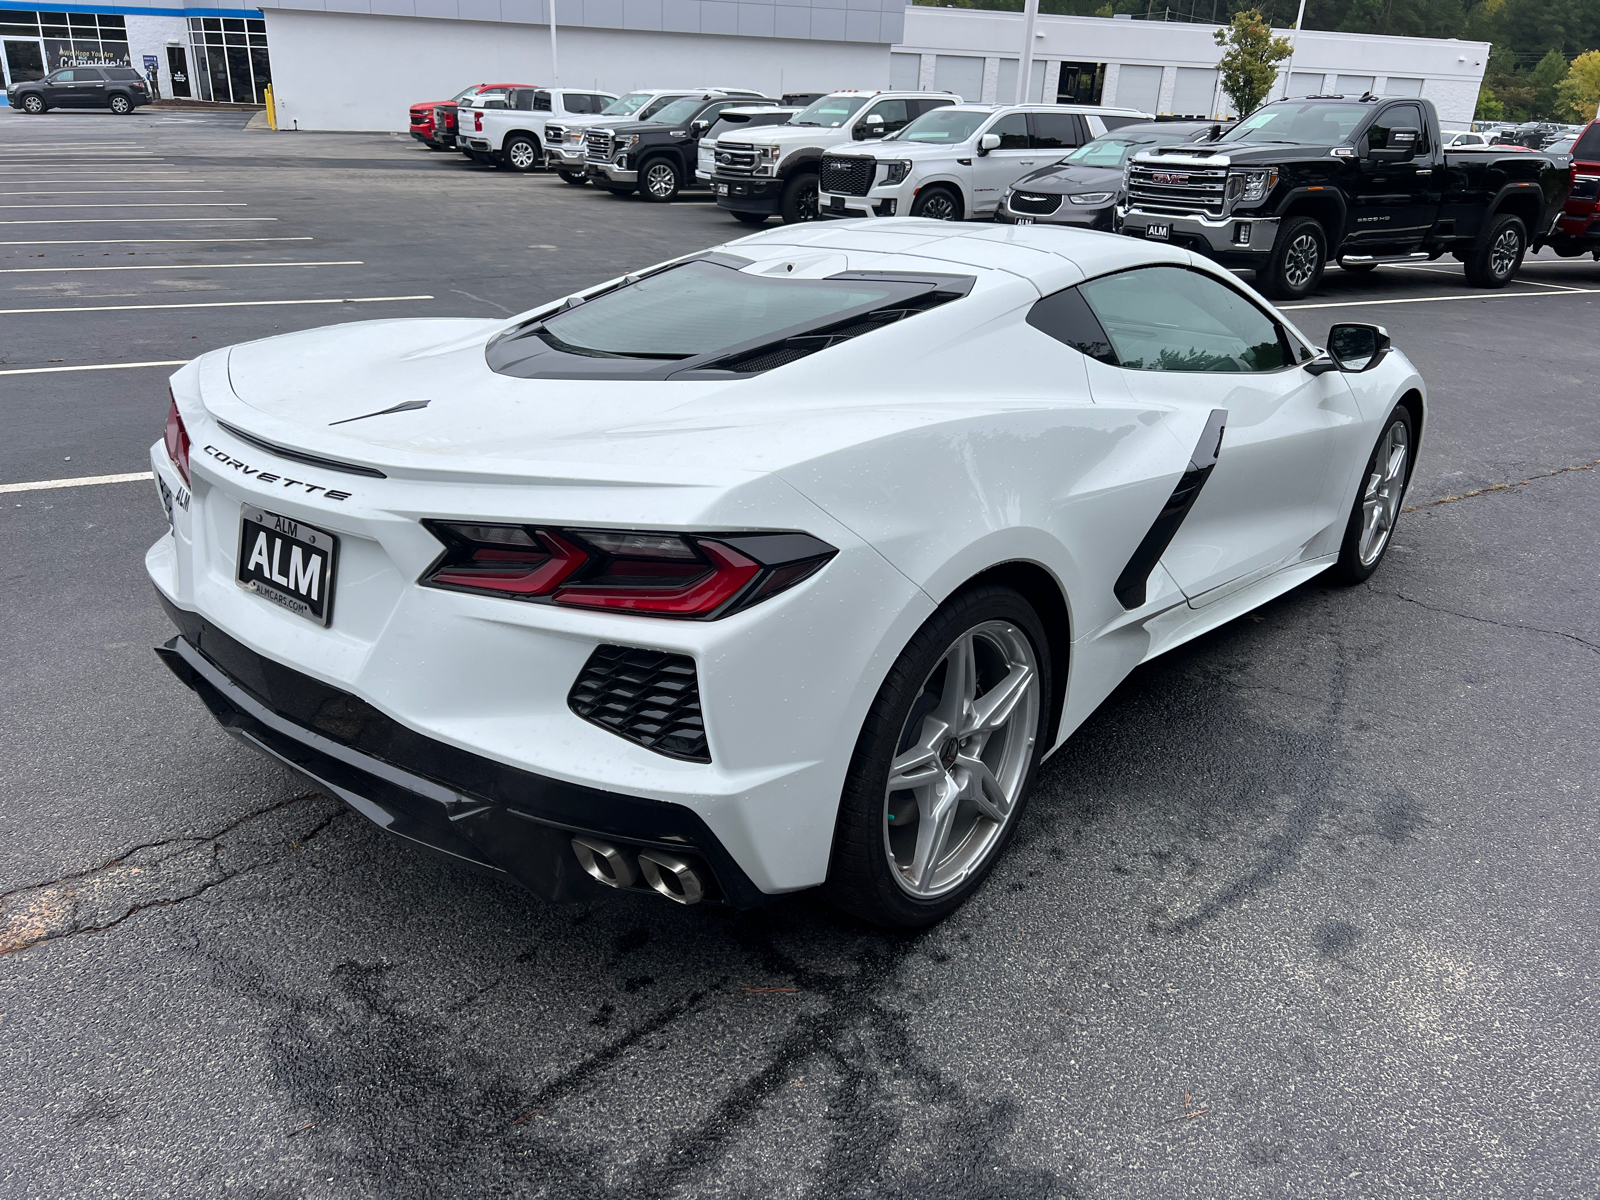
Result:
x=895 y=170
x=627 y=141
x=1252 y=186
x=1093 y=197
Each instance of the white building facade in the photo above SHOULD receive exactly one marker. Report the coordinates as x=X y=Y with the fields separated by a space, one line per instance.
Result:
x=359 y=64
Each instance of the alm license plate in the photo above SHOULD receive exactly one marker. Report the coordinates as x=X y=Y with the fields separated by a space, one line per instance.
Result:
x=836 y=204
x=288 y=562
x=1158 y=233
x=1024 y=220
x=722 y=189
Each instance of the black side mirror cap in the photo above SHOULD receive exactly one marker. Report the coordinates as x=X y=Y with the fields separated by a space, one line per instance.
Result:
x=1355 y=347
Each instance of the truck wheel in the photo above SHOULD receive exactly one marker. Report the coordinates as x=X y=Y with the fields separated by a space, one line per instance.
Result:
x=121 y=105
x=745 y=218
x=1497 y=254
x=937 y=204
x=1295 y=266
x=521 y=154
x=33 y=105
x=575 y=178
x=800 y=198
x=658 y=180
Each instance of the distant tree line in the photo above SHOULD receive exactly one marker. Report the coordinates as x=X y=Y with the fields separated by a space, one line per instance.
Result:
x=1545 y=64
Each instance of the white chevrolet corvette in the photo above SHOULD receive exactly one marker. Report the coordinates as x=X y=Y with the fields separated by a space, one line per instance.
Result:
x=777 y=566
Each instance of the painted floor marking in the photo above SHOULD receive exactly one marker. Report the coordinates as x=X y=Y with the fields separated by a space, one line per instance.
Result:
x=351 y=262
x=210 y=241
x=1434 y=299
x=148 y=204
x=82 y=481
x=166 y=362
x=130 y=220
x=123 y=192
x=141 y=179
x=213 y=304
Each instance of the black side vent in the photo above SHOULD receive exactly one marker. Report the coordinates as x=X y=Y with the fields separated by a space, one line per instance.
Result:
x=647 y=696
x=781 y=353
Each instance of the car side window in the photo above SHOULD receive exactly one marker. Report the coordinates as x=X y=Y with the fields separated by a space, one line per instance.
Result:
x=88 y=76
x=541 y=102
x=1410 y=116
x=917 y=107
x=1067 y=317
x=1380 y=134
x=1056 y=131
x=1167 y=318
x=896 y=114
x=1013 y=131
x=61 y=77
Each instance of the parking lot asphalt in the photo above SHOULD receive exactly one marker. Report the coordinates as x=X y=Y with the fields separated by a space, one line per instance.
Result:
x=1306 y=909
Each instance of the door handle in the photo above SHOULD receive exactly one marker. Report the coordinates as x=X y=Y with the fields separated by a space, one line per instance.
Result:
x=1424 y=170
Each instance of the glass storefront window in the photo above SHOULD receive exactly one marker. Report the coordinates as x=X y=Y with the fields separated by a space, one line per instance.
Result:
x=230 y=59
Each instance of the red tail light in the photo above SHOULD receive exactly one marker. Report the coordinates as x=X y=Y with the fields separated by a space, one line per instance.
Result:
x=653 y=574
x=177 y=441
x=477 y=122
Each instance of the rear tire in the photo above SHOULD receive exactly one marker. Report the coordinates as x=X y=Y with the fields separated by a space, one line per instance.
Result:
x=1298 y=256
x=575 y=178
x=937 y=204
x=521 y=154
x=962 y=720
x=1378 y=500
x=120 y=105
x=745 y=218
x=800 y=198
x=1497 y=255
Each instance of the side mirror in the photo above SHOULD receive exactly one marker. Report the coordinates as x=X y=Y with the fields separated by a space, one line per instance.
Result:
x=1356 y=348
x=988 y=142
x=698 y=128
x=1402 y=146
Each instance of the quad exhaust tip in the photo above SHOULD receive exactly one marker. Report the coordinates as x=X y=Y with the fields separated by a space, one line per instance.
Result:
x=675 y=878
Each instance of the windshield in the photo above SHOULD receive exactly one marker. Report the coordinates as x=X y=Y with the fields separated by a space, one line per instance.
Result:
x=679 y=111
x=622 y=106
x=1106 y=152
x=700 y=307
x=943 y=125
x=463 y=94
x=1307 y=123
x=830 y=112
x=730 y=123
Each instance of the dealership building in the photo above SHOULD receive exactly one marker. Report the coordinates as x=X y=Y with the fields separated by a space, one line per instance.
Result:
x=358 y=64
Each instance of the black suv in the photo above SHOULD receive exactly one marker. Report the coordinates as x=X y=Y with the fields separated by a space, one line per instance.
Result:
x=656 y=157
x=121 y=89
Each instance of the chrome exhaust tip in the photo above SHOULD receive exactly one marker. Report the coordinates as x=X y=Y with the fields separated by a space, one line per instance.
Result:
x=673 y=877
x=604 y=863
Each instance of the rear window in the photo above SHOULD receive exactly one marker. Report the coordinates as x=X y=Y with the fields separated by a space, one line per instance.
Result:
x=1588 y=147
x=700 y=307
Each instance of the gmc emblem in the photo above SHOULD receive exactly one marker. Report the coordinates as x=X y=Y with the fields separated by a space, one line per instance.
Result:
x=1169 y=177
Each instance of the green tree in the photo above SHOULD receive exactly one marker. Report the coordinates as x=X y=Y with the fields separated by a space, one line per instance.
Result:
x=1249 y=64
x=1489 y=108
x=1552 y=69
x=1578 y=95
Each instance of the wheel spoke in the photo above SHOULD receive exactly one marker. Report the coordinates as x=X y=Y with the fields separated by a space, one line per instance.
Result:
x=937 y=814
x=983 y=789
x=960 y=684
x=918 y=766
x=991 y=712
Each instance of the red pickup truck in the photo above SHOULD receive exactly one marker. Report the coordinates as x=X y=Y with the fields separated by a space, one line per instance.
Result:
x=433 y=122
x=1577 y=228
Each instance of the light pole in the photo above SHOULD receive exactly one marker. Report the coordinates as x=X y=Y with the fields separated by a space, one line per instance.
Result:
x=555 y=65
x=1030 y=18
x=1294 y=36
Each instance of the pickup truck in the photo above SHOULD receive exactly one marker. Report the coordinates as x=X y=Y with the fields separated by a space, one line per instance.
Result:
x=564 y=147
x=433 y=122
x=1304 y=182
x=655 y=157
x=1577 y=228
x=513 y=136
x=774 y=172
x=737 y=121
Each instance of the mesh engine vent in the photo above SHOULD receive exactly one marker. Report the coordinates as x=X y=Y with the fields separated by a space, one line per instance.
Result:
x=647 y=696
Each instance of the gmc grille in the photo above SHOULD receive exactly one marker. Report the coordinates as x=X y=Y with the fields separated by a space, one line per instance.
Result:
x=847 y=176
x=736 y=158
x=649 y=697
x=597 y=145
x=1034 y=202
x=1176 y=191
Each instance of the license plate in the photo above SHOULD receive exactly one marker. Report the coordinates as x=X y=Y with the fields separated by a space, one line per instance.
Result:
x=1024 y=220
x=835 y=203
x=722 y=189
x=288 y=562
x=1158 y=233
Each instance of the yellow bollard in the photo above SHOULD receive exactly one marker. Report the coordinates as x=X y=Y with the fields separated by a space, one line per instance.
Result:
x=272 y=111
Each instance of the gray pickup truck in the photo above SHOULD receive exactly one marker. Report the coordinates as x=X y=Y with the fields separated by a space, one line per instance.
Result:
x=1300 y=183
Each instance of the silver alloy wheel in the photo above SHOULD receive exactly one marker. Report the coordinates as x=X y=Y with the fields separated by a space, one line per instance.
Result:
x=1503 y=254
x=963 y=759
x=522 y=155
x=32 y=104
x=939 y=207
x=1302 y=260
x=661 y=180
x=1380 y=502
x=121 y=105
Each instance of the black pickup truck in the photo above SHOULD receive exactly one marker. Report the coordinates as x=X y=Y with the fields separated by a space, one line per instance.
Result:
x=657 y=157
x=1303 y=182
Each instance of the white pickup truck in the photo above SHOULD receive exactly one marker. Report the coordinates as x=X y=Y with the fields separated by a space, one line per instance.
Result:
x=513 y=136
x=773 y=171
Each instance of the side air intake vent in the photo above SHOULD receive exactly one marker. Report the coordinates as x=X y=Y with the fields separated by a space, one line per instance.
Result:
x=647 y=696
x=781 y=353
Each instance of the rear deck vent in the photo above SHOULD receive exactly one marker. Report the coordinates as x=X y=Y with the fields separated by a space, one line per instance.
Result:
x=647 y=696
x=787 y=350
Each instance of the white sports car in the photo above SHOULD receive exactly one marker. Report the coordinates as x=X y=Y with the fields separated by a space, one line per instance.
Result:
x=777 y=566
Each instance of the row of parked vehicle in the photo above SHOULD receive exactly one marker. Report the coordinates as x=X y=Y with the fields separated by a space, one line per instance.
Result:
x=1296 y=186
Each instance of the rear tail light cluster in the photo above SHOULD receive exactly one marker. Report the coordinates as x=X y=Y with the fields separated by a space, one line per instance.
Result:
x=177 y=441
x=655 y=574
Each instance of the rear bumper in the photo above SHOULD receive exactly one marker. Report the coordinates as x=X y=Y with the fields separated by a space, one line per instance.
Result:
x=744 y=194
x=497 y=818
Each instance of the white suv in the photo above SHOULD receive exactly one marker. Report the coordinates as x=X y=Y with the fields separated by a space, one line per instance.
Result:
x=958 y=162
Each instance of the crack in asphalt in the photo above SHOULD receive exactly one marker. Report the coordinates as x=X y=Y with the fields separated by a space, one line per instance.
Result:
x=151 y=875
x=1503 y=487
x=1511 y=625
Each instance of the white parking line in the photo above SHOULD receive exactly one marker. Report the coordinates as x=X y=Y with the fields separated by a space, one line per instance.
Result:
x=350 y=262
x=166 y=362
x=141 y=179
x=210 y=241
x=123 y=192
x=128 y=220
x=82 y=481
x=6 y=312
x=1435 y=299
x=149 y=204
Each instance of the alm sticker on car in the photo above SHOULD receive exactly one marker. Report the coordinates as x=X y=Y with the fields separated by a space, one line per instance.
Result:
x=288 y=562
